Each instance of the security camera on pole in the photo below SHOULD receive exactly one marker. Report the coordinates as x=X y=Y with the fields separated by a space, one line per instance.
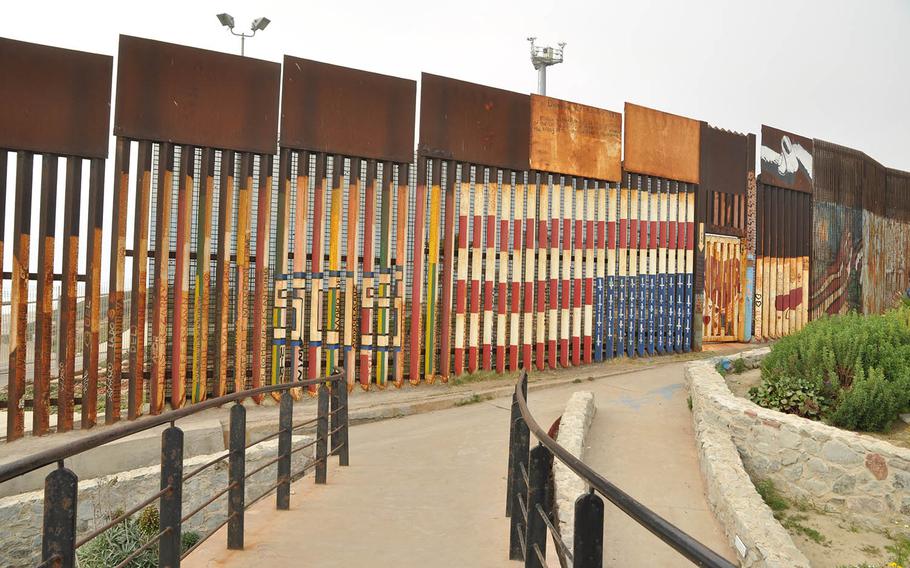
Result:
x=227 y=21
x=543 y=57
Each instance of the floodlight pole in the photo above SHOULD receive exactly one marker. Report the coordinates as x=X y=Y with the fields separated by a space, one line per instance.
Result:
x=543 y=57
x=258 y=24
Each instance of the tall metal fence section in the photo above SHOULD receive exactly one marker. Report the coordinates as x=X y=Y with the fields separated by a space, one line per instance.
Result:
x=861 y=233
x=656 y=298
x=57 y=110
x=524 y=231
x=784 y=218
x=726 y=205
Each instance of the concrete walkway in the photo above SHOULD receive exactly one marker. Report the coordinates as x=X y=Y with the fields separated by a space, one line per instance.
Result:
x=429 y=489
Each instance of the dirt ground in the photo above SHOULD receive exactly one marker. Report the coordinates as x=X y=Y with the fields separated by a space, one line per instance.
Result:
x=831 y=542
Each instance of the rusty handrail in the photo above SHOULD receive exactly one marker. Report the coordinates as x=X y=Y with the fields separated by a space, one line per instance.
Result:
x=25 y=465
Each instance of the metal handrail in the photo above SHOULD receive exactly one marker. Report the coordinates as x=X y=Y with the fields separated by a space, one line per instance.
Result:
x=679 y=540
x=47 y=457
x=59 y=542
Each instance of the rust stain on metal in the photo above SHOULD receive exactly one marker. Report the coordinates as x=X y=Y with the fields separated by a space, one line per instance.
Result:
x=261 y=272
x=140 y=272
x=59 y=102
x=575 y=139
x=661 y=144
x=203 y=277
x=174 y=93
x=333 y=109
x=222 y=273
x=115 y=293
x=160 y=285
x=22 y=218
x=45 y=308
x=66 y=367
x=786 y=159
x=92 y=308
x=473 y=123
x=182 y=277
x=241 y=283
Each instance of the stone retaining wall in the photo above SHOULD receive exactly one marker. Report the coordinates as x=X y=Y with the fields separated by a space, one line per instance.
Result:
x=573 y=430
x=21 y=515
x=863 y=479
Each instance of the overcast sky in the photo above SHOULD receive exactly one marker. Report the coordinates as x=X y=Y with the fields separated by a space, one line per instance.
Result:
x=835 y=70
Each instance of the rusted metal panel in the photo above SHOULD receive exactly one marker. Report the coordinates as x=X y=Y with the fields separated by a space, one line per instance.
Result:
x=223 y=274
x=67 y=332
x=201 y=289
x=45 y=308
x=22 y=221
x=174 y=93
x=116 y=278
x=92 y=308
x=261 y=272
x=473 y=123
x=575 y=139
x=724 y=165
x=140 y=271
x=786 y=159
x=333 y=109
x=661 y=144
x=157 y=376
x=182 y=276
x=59 y=102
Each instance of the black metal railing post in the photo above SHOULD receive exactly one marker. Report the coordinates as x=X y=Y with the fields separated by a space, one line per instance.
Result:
x=170 y=504
x=285 y=424
x=538 y=504
x=334 y=418
x=343 y=450
x=519 y=448
x=58 y=543
x=514 y=415
x=322 y=432
x=589 y=531
x=236 y=473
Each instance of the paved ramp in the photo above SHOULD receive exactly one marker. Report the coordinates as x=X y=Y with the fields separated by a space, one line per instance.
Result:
x=429 y=489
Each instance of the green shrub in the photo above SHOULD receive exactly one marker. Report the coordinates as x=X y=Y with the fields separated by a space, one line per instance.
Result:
x=116 y=544
x=873 y=402
x=852 y=369
x=791 y=395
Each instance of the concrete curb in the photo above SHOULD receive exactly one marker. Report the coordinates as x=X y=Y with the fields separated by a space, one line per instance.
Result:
x=748 y=522
x=573 y=431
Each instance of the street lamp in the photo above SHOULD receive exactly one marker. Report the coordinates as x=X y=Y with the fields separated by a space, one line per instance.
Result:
x=543 y=57
x=227 y=21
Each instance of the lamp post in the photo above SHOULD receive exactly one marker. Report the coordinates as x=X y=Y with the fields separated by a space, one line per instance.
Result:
x=543 y=57
x=227 y=21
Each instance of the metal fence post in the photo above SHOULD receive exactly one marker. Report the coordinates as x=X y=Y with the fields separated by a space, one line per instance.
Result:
x=285 y=423
x=344 y=450
x=170 y=504
x=334 y=405
x=538 y=480
x=589 y=531
x=59 y=534
x=322 y=431
x=236 y=471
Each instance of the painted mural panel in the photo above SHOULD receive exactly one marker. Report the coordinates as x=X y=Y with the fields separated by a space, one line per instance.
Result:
x=786 y=159
x=725 y=275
